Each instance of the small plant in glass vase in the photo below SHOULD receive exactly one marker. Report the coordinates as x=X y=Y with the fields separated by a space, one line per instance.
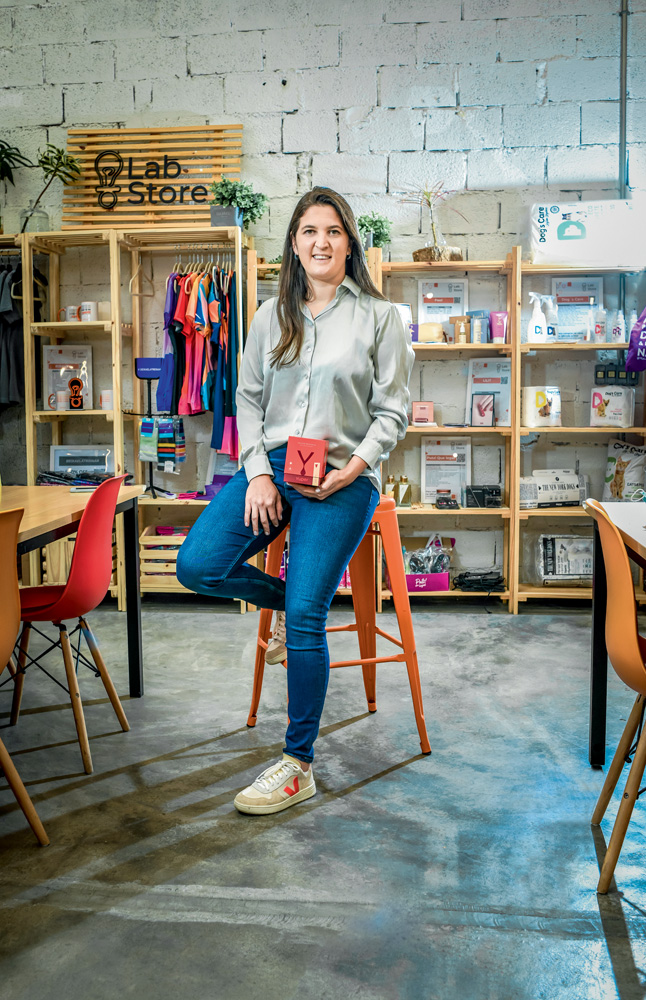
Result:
x=10 y=158
x=432 y=195
x=55 y=164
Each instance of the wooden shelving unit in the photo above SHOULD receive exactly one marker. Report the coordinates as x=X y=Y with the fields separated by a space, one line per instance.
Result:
x=136 y=241
x=511 y=516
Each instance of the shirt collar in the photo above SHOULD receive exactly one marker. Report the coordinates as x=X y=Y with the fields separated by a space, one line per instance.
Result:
x=348 y=283
x=351 y=284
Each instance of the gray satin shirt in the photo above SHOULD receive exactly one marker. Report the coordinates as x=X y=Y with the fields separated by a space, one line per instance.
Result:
x=349 y=386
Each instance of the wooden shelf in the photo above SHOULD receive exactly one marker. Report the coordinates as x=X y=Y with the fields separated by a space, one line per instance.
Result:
x=582 y=430
x=552 y=512
x=503 y=594
x=576 y=270
x=576 y=347
x=428 y=510
x=41 y=329
x=461 y=348
x=420 y=268
x=527 y=592
x=42 y=415
x=148 y=501
x=434 y=431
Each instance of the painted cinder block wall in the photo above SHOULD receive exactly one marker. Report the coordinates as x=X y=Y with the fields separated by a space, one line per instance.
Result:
x=506 y=101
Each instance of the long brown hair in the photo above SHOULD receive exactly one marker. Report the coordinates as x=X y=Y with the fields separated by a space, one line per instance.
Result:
x=294 y=288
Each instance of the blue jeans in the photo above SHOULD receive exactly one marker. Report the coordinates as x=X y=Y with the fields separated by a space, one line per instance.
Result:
x=323 y=537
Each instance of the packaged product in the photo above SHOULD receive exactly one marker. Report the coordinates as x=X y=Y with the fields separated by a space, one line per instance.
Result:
x=625 y=470
x=541 y=406
x=636 y=360
x=564 y=559
x=612 y=406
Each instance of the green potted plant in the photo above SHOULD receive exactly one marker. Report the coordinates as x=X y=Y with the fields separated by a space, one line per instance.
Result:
x=374 y=229
x=55 y=164
x=235 y=203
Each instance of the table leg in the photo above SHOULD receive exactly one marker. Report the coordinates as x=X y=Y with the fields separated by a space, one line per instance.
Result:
x=133 y=600
x=599 y=659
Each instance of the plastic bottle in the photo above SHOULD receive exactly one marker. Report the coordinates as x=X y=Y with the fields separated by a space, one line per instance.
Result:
x=619 y=328
x=476 y=330
x=462 y=333
x=537 y=327
x=552 y=318
x=600 y=320
x=631 y=322
x=589 y=332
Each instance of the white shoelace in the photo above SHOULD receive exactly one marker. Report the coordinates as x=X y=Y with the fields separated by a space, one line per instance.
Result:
x=275 y=775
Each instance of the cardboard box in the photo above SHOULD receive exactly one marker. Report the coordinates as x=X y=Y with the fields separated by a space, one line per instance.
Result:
x=305 y=461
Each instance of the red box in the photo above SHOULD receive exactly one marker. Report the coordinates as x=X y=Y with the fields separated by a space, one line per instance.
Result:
x=305 y=461
x=423 y=582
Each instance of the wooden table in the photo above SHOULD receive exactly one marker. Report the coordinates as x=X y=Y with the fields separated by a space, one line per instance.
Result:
x=52 y=512
x=630 y=519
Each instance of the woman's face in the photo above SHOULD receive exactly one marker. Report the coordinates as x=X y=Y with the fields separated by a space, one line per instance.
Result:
x=322 y=244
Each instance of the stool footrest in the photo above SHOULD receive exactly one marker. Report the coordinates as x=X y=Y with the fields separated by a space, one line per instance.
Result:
x=391 y=638
x=369 y=659
x=343 y=628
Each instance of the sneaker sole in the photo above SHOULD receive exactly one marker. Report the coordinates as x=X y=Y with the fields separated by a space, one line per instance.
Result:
x=276 y=657
x=263 y=810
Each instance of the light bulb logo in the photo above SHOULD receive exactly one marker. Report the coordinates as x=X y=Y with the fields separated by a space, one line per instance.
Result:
x=108 y=165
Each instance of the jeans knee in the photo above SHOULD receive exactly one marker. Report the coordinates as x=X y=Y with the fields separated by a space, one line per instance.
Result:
x=184 y=567
x=305 y=618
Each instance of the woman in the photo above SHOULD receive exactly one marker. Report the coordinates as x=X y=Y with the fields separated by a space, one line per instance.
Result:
x=329 y=359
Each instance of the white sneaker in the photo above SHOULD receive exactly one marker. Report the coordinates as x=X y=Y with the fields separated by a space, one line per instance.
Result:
x=282 y=785
x=276 y=651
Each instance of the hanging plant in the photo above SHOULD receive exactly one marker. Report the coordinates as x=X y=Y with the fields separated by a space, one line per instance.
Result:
x=376 y=224
x=55 y=164
x=237 y=194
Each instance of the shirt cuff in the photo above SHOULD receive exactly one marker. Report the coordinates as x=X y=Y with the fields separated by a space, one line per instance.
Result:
x=258 y=465
x=370 y=452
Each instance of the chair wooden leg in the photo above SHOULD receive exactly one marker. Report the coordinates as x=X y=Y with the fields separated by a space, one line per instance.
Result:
x=623 y=815
x=362 y=576
x=272 y=567
x=11 y=667
x=15 y=784
x=19 y=679
x=401 y=600
x=105 y=676
x=75 y=697
x=618 y=761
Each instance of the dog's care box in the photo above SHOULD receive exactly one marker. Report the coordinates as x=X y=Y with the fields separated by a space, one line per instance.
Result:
x=305 y=461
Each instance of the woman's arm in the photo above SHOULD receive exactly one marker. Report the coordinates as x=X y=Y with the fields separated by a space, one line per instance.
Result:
x=389 y=398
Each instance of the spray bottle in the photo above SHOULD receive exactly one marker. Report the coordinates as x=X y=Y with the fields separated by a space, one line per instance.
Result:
x=619 y=328
x=537 y=327
x=589 y=332
x=600 y=325
x=552 y=318
x=633 y=319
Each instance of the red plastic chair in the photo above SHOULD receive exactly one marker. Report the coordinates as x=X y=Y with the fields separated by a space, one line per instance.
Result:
x=9 y=624
x=87 y=585
x=362 y=574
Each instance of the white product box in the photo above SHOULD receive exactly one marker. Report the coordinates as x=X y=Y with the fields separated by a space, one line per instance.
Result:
x=572 y=297
x=540 y=406
x=60 y=364
x=612 y=406
x=601 y=233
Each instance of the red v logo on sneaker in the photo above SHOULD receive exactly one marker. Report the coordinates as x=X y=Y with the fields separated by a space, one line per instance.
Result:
x=293 y=790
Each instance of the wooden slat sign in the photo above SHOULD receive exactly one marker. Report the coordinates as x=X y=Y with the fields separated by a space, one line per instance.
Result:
x=141 y=177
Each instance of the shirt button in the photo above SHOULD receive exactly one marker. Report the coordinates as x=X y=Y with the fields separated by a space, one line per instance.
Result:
x=302 y=402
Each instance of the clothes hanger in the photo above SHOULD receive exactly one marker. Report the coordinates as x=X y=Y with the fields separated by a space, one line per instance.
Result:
x=142 y=295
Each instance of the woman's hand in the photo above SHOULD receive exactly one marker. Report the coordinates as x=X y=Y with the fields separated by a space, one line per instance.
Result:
x=263 y=505
x=334 y=480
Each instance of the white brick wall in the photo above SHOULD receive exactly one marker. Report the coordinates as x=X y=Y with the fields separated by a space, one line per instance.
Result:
x=503 y=100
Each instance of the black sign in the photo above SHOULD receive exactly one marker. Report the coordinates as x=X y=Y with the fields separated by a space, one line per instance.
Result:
x=149 y=186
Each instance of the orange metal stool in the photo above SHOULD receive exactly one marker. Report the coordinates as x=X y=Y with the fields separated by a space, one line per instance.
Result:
x=362 y=574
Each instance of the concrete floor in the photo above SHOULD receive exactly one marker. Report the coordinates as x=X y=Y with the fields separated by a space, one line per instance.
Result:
x=467 y=875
